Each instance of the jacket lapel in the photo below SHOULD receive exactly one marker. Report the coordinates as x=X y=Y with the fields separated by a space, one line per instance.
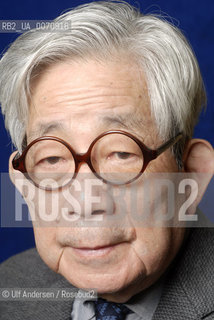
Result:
x=189 y=289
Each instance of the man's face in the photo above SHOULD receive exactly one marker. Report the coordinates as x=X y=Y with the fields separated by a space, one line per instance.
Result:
x=77 y=101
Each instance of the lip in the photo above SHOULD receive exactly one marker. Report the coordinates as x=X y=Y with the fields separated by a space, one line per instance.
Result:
x=97 y=251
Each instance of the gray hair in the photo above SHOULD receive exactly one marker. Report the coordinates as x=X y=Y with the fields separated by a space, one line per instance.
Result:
x=99 y=30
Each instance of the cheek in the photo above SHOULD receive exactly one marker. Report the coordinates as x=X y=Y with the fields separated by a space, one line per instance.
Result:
x=49 y=250
x=44 y=217
x=153 y=248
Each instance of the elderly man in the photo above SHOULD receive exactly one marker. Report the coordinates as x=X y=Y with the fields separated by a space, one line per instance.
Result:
x=112 y=97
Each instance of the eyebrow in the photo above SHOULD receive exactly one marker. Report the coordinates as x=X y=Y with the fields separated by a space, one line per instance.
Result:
x=127 y=121
x=44 y=128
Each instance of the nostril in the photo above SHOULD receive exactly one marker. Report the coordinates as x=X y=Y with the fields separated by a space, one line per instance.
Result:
x=95 y=212
x=71 y=212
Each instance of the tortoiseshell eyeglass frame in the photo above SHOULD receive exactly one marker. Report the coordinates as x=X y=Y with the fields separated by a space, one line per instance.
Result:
x=18 y=161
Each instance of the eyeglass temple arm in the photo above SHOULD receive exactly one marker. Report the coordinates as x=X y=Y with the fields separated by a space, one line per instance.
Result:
x=168 y=144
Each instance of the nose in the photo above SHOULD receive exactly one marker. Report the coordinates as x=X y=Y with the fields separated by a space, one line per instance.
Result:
x=91 y=194
x=83 y=167
x=83 y=163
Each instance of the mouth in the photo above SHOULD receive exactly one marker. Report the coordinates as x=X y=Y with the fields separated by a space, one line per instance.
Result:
x=96 y=251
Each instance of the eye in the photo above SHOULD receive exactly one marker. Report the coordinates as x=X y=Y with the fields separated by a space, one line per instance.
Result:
x=52 y=160
x=121 y=155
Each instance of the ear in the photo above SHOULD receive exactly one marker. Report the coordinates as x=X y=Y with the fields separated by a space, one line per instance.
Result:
x=17 y=177
x=199 y=162
x=12 y=171
x=199 y=157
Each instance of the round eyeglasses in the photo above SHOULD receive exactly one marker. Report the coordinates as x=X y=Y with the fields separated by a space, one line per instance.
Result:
x=116 y=157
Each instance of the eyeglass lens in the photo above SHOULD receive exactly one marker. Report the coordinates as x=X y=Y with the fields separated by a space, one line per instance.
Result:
x=115 y=158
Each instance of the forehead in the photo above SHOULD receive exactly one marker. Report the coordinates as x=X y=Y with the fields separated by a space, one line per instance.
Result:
x=71 y=93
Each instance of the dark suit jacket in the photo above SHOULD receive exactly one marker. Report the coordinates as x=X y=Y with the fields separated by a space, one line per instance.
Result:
x=188 y=291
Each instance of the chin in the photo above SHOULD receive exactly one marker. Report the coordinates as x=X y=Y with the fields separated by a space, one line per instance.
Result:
x=116 y=286
x=106 y=272
x=103 y=283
